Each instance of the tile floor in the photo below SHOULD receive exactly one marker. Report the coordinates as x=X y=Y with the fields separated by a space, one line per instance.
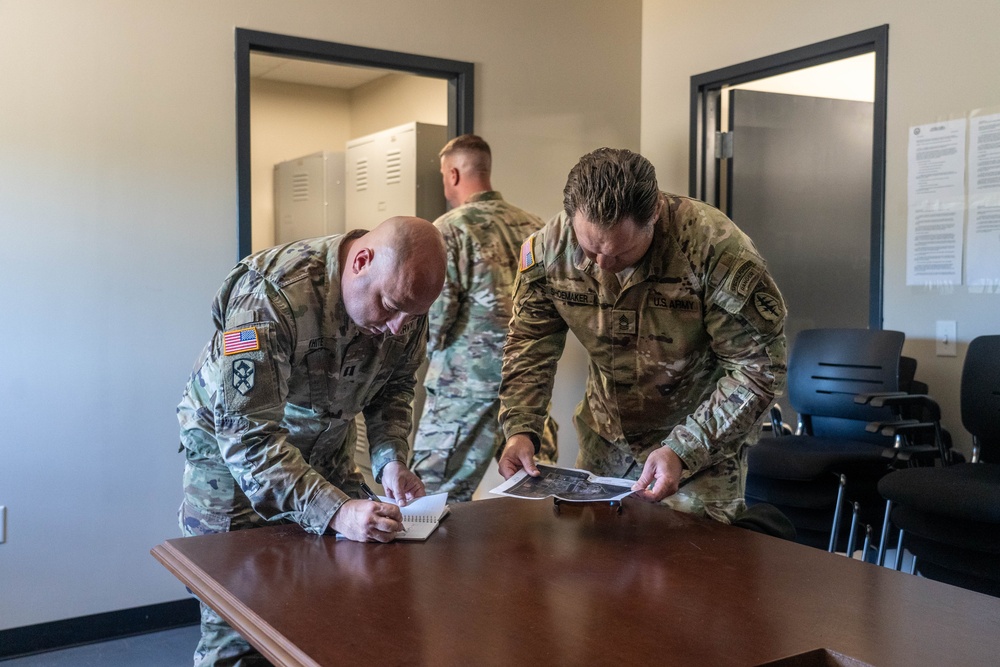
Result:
x=169 y=648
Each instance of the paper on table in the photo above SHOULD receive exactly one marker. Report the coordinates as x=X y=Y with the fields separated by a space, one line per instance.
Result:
x=569 y=484
x=421 y=516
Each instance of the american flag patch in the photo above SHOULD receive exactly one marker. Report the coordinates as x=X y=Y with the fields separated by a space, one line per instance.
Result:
x=240 y=340
x=528 y=253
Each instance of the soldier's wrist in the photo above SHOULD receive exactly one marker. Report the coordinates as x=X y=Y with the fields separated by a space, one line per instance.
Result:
x=533 y=438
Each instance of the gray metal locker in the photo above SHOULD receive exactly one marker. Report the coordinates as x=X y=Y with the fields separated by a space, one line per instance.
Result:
x=309 y=197
x=395 y=172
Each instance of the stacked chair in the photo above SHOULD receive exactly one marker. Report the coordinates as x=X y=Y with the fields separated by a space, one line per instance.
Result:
x=834 y=461
x=948 y=517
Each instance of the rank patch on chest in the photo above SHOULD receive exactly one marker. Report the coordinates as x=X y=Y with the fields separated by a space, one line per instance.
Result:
x=240 y=340
x=624 y=322
x=243 y=375
x=527 y=254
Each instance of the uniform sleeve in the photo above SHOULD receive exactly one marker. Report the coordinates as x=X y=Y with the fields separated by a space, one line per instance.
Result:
x=389 y=415
x=535 y=341
x=443 y=314
x=744 y=317
x=250 y=405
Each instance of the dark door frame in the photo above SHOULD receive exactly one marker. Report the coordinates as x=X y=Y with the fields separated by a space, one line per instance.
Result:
x=458 y=74
x=706 y=89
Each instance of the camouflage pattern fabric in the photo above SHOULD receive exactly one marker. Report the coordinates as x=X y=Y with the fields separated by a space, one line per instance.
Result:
x=458 y=433
x=465 y=439
x=267 y=417
x=688 y=353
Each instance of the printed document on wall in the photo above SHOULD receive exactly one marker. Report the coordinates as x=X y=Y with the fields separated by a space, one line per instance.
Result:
x=982 y=251
x=936 y=203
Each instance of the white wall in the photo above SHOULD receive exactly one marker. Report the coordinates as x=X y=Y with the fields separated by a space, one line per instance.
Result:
x=942 y=63
x=118 y=220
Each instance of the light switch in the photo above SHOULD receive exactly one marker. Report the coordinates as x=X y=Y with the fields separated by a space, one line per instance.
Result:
x=945 y=340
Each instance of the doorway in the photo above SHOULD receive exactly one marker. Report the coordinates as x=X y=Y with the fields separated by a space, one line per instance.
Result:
x=457 y=75
x=792 y=148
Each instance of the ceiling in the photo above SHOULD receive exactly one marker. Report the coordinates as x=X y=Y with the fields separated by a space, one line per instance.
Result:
x=312 y=72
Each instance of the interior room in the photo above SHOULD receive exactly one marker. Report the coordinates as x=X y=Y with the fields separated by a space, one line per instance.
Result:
x=119 y=210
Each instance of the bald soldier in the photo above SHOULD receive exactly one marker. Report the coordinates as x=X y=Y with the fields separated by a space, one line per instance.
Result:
x=458 y=434
x=683 y=325
x=306 y=336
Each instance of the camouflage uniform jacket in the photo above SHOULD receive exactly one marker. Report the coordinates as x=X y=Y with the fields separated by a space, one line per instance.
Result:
x=688 y=353
x=280 y=413
x=468 y=323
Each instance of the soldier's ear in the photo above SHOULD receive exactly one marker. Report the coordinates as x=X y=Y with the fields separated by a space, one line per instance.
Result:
x=362 y=260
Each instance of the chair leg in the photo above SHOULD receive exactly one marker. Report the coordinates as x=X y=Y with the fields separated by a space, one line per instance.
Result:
x=867 y=543
x=913 y=565
x=836 y=515
x=899 y=552
x=885 y=534
x=854 y=529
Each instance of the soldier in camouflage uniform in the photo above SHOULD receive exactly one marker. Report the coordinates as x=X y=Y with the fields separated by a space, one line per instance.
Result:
x=683 y=325
x=458 y=433
x=307 y=335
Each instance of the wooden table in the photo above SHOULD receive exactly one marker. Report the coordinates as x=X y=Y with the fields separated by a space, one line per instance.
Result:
x=519 y=582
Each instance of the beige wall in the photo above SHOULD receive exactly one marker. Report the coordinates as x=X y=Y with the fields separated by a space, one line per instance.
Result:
x=288 y=121
x=118 y=213
x=942 y=63
x=397 y=99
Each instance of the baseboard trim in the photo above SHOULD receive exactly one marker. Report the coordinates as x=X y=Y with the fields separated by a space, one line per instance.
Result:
x=97 y=627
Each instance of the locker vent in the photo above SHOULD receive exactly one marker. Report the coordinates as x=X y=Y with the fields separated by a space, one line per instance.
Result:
x=361 y=174
x=300 y=186
x=393 y=167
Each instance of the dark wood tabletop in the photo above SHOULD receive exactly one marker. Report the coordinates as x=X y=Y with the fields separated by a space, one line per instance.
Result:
x=522 y=582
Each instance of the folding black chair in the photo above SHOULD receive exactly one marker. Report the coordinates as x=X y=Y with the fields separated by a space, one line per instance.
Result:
x=949 y=518
x=833 y=459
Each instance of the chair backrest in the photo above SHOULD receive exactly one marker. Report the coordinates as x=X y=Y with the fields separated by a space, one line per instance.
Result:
x=827 y=368
x=981 y=395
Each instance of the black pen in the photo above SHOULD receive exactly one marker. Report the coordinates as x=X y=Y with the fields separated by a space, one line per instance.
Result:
x=368 y=492
x=371 y=496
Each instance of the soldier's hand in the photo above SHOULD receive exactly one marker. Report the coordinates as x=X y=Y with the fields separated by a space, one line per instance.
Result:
x=663 y=470
x=518 y=453
x=401 y=484
x=365 y=521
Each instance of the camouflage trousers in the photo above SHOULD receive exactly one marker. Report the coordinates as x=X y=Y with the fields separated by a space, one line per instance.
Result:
x=715 y=492
x=457 y=438
x=213 y=503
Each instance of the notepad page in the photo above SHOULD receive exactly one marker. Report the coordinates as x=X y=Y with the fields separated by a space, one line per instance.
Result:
x=421 y=517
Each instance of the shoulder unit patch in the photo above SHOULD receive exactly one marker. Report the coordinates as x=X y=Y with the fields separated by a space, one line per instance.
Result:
x=768 y=306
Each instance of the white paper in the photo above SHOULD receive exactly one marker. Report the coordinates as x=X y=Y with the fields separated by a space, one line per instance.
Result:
x=420 y=516
x=934 y=244
x=982 y=251
x=936 y=203
x=569 y=484
x=937 y=161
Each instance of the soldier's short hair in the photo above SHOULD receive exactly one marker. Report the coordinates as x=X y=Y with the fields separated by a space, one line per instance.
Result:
x=474 y=148
x=611 y=184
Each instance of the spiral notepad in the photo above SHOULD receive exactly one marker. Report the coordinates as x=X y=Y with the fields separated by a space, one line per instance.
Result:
x=422 y=516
